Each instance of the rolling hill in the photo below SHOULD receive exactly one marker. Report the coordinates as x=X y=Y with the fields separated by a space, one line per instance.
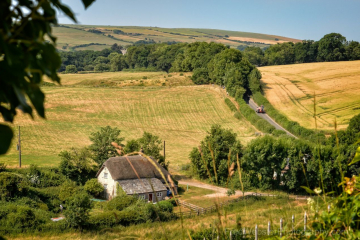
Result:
x=169 y=106
x=79 y=37
x=291 y=89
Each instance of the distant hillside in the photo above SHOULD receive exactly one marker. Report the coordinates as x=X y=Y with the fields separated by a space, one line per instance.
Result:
x=85 y=37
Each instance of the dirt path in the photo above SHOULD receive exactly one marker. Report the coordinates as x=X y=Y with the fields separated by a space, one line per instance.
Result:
x=220 y=191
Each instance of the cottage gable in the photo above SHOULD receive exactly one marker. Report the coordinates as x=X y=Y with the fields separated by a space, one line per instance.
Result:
x=136 y=175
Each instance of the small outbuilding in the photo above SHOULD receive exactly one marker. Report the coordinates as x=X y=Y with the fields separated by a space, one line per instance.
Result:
x=135 y=175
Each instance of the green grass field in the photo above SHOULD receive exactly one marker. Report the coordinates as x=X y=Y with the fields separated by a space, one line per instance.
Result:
x=179 y=112
x=74 y=35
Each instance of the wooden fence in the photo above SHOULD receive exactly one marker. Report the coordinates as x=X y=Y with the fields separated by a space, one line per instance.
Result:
x=196 y=210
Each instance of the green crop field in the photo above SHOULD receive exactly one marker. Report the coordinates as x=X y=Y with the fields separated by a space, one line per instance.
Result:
x=70 y=36
x=291 y=89
x=166 y=105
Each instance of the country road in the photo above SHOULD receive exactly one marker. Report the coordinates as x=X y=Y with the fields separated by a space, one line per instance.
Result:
x=253 y=105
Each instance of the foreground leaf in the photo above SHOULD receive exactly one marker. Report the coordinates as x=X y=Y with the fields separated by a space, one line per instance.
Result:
x=5 y=139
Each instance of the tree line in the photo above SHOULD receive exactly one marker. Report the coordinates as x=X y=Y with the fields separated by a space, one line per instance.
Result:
x=332 y=47
x=276 y=163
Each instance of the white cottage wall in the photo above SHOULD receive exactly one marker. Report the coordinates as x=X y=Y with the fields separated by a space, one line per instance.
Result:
x=107 y=181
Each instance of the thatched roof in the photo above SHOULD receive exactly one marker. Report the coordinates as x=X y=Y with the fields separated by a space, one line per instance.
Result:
x=138 y=186
x=132 y=167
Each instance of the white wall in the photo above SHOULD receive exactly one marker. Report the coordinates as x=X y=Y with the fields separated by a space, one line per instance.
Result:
x=110 y=192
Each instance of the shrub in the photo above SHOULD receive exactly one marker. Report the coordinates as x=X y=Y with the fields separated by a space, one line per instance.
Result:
x=144 y=77
x=67 y=189
x=77 y=210
x=104 y=219
x=120 y=202
x=70 y=69
x=278 y=132
x=165 y=206
x=231 y=105
x=93 y=187
x=12 y=185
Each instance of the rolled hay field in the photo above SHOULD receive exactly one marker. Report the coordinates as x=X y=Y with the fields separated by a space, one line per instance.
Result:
x=336 y=86
x=178 y=113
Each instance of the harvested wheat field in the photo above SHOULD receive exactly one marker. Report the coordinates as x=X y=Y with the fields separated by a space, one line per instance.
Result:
x=291 y=89
x=180 y=115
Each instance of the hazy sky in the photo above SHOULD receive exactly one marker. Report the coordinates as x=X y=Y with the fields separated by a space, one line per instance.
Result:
x=301 y=19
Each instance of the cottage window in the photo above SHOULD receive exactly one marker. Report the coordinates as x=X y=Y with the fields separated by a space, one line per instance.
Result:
x=105 y=175
x=159 y=194
x=105 y=186
x=142 y=196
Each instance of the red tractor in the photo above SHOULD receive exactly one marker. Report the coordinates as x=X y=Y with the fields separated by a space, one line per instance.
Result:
x=260 y=109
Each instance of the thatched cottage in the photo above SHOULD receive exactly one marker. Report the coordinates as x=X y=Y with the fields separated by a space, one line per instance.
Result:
x=136 y=176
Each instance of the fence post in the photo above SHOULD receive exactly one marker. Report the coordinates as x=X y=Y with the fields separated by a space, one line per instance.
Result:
x=244 y=231
x=292 y=222
x=218 y=237
x=305 y=222
x=329 y=208
x=256 y=232
x=268 y=230
x=281 y=226
x=230 y=236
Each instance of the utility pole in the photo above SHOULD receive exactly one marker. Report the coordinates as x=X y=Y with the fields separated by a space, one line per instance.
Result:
x=164 y=150
x=19 y=148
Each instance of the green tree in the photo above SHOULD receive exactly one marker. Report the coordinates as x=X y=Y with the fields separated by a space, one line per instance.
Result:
x=353 y=50
x=219 y=64
x=200 y=76
x=27 y=50
x=332 y=47
x=151 y=146
x=77 y=164
x=67 y=190
x=71 y=69
x=221 y=147
x=77 y=210
x=93 y=187
x=101 y=143
x=255 y=55
x=101 y=67
x=132 y=146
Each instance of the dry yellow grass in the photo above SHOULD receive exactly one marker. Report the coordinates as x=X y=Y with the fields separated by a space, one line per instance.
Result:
x=290 y=89
x=180 y=115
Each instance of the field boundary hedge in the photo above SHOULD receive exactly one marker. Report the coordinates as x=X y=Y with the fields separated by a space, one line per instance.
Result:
x=292 y=126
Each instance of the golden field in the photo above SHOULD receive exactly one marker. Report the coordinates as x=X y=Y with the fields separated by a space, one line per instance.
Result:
x=166 y=105
x=336 y=85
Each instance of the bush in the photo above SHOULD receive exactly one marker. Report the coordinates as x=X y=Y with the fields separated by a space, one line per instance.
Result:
x=77 y=210
x=12 y=185
x=67 y=189
x=105 y=219
x=278 y=132
x=120 y=202
x=231 y=105
x=165 y=206
x=70 y=69
x=93 y=187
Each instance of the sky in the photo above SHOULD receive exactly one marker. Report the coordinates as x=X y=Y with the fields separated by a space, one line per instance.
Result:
x=300 y=19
